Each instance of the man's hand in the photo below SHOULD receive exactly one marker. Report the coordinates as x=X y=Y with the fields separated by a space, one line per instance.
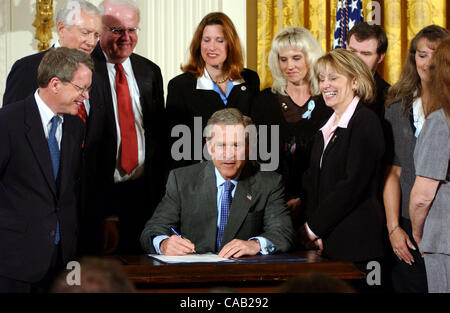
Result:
x=110 y=237
x=237 y=248
x=176 y=245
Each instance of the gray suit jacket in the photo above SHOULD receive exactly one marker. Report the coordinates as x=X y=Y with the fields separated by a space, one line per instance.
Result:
x=190 y=205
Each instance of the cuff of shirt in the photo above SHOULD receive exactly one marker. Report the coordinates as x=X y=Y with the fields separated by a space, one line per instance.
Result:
x=267 y=247
x=311 y=233
x=157 y=242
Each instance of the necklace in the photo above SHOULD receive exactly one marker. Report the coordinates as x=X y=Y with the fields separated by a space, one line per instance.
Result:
x=218 y=82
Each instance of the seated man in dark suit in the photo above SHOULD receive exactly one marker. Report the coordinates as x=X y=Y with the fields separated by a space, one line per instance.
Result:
x=225 y=205
x=40 y=154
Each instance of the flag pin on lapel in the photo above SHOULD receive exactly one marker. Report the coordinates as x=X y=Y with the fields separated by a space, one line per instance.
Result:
x=249 y=196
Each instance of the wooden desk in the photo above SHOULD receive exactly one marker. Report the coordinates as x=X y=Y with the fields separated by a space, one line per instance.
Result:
x=152 y=276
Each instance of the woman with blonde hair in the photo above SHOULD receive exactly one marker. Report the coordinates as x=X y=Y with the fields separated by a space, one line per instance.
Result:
x=295 y=105
x=405 y=117
x=344 y=211
x=214 y=78
x=430 y=196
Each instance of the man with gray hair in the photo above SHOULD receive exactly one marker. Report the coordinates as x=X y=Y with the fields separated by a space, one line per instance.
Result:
x=79 y=26
x=226 y=205
x=39 y=158
x=136 y=144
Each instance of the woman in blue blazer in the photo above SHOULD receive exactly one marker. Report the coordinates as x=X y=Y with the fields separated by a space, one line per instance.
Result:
x=344 y=212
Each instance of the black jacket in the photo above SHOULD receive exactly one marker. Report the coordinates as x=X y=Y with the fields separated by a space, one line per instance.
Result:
x=344 y=207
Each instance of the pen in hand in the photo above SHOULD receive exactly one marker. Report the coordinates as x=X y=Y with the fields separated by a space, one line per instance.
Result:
x=174 y=231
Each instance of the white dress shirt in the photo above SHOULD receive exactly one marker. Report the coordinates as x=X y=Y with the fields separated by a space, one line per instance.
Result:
x=46 y=116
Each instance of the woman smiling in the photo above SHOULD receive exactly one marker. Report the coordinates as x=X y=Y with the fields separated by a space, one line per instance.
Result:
x=345 y=215
x=214 y=78
x=295 y=105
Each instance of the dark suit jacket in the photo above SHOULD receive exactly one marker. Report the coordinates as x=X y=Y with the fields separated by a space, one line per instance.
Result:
x=150 y=84
x=190 y=204
x=344 y=208
x=382 y=87
x=30 y=201
x=185 y=101
x=22 y=81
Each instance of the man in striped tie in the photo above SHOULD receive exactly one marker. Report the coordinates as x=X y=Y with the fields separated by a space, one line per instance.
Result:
x=226 y=205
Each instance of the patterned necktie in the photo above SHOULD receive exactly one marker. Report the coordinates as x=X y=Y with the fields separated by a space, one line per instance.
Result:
x=224 y=211
x=129 y=145
x=54 y=156
x=82 y=112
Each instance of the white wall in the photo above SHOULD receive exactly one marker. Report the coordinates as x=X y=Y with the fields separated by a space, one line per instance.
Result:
x=166 y=27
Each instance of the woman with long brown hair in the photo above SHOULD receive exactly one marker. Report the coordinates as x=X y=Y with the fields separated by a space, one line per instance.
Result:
x=430 y=196
x=405 y=116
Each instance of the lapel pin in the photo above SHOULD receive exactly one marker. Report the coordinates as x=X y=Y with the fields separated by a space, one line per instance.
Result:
x=243 y=88
x=334 y=137
x=249 y=196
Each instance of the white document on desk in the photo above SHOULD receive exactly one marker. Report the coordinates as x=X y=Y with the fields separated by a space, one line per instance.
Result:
x=190 y=258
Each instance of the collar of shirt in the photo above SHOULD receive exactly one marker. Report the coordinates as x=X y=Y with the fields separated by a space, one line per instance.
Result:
x=328 y=129
x=418 y=115
x=220 y=181
x=206 y=83
x=127 y=68
x=57 y=45
x=46 y=115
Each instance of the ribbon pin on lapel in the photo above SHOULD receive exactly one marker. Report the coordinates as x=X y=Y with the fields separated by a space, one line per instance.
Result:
x=311 y=106
x=249 y=196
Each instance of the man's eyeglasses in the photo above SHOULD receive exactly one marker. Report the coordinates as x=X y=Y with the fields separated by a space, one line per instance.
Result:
x=118 y=31
x=81 y=89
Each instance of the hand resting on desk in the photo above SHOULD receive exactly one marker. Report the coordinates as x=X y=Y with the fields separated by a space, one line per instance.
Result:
x=236 y=248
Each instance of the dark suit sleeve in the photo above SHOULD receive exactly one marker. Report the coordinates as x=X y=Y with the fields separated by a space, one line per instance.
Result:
x=277 y=220
x=167 y=214
x=175 y=105
x=364 y=153
x=21 y=81
x=253 y=82
x=5 y=145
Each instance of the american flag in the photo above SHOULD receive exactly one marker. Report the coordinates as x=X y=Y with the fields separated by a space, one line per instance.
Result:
x=348 y=14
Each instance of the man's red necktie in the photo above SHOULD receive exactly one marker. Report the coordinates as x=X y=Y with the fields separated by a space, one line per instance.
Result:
x=82 y=112
x=129 y=146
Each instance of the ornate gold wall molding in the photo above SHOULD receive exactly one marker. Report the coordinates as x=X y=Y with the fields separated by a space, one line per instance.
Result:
x=44 y=23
